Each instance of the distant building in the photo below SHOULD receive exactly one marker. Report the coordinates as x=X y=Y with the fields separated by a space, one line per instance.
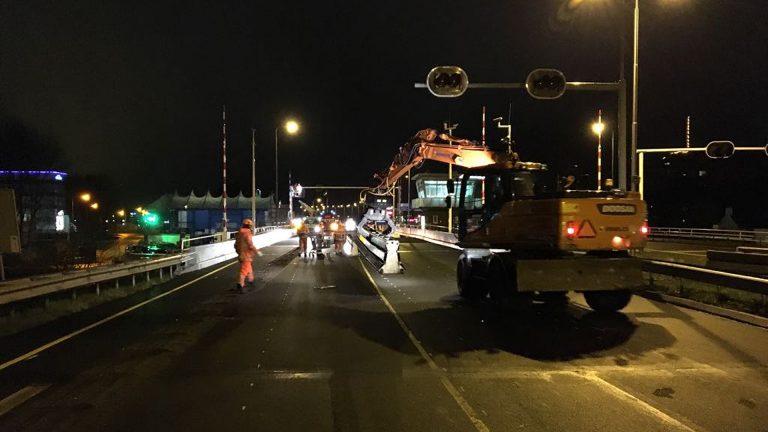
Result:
x=41 y=202
x=204 y=214
x=431 y=190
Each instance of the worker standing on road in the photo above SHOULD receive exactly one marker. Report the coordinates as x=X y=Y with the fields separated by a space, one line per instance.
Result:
x=303 y=232
x=339 y=237
x=245 y=250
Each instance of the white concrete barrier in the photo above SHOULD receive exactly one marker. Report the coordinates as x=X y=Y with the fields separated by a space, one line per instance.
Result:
x=211 y=254
x=439 y=237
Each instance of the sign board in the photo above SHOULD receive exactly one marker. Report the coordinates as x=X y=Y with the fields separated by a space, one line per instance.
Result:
x=10 y=242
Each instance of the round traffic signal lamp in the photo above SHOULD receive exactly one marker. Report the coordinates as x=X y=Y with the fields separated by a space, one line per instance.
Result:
x=447 y=81
x=545 y=83
x=720 y=149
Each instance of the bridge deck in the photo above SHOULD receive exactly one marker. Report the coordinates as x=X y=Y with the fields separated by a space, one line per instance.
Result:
x=332 y=345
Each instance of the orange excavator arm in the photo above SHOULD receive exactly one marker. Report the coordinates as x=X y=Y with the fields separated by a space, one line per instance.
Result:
x=464 y=153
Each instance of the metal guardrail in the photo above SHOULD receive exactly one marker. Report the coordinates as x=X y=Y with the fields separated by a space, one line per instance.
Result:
x=37 y=286
x=187 y=242
x=748 y=236
x=23 y=289
x=727 y=279
x=716 y=277
x=429 y=227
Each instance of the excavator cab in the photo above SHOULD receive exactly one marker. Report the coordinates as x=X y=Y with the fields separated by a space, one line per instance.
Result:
x=483 y=191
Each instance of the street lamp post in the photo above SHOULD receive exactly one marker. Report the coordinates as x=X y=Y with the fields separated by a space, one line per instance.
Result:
x=276 y=175
x=598 y=129
x=634 y=96
x=85 y=197
x=253 y=175
x=450 y=128
x=291 y=127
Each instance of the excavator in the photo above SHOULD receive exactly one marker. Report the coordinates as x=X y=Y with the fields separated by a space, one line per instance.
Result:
x=524 y=234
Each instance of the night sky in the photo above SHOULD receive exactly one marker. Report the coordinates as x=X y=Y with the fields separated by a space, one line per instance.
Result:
x=134 y=90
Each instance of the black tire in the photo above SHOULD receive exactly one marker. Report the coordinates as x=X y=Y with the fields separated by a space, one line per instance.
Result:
x=469 y=287
x=608 y=301
x=554 y=298
x=498 y=281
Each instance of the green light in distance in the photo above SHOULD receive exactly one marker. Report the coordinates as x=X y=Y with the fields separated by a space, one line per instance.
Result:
x=150 y=219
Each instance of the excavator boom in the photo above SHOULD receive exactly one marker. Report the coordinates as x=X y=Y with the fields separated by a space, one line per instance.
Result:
x=468 y=156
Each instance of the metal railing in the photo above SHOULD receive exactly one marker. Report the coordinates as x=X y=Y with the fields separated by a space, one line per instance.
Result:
x=732 y=280
x=214 y=238
x=748 y=236
x=431 y=227
x=23 y=289
x=52 y=283
x=754 y=284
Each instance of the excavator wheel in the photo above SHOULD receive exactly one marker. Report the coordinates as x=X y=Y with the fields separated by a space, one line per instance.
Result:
x=553 y=298
x=502 y=284
x=470 y=287
x=498 y=281
x=608 y=301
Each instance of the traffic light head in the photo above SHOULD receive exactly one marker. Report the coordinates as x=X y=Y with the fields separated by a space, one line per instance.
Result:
x=720 y=149
x=447 y=81
x=545 y=83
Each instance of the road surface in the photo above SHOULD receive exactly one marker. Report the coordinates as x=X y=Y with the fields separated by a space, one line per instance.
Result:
x=333 y=346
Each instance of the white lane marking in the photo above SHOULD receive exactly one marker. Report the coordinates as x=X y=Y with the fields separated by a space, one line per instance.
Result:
x=698 y=253
x=425 y=251
x=294 y=375
x=644 y=406
x=547 y=375
x=452 y=390
x=64 y=338
x=21 y=396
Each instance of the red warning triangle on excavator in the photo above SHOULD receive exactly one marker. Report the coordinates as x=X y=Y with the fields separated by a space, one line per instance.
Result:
x=586 y=230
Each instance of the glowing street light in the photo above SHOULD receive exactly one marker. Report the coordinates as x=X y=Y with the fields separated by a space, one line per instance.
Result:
x=95 y=206
x=85 y=197
x=120 y=213
x=598 y=129
x=291 y=128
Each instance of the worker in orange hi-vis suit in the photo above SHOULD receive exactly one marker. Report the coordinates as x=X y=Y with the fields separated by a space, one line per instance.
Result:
x=303 y=232
x=245 y=250
x=339 y=236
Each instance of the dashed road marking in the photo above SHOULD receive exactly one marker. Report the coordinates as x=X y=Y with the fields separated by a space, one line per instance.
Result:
x=644 y=406
x=449 y=387
x=20 y=397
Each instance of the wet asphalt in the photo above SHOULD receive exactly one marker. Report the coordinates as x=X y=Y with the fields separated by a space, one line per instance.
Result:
x=315 y=347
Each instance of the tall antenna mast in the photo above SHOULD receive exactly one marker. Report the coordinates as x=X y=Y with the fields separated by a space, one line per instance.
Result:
x=224 y=163
x=483 y=135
